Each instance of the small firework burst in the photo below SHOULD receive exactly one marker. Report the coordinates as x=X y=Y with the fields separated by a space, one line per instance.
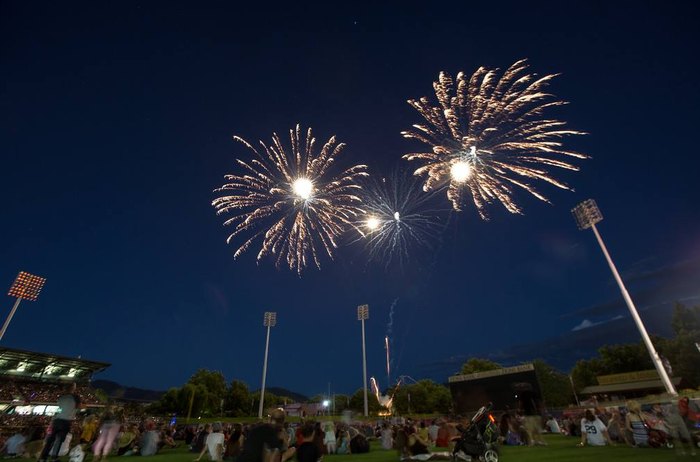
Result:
x=399 y=218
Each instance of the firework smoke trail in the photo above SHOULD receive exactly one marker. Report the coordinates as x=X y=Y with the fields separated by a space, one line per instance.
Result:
x=488 y=136
x=287 y=199
x=399 y=220
x=388 y=369
x=387 y=338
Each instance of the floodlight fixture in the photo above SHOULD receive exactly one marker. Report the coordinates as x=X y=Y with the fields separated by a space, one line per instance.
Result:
x=362 y=315
x=26 y=287
x=269 y=321
x=587 y=215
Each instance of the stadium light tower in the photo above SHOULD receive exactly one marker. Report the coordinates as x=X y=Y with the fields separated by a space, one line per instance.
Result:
x=26 y=287
x=587 y=215
x=362 y=315
x=269 y=321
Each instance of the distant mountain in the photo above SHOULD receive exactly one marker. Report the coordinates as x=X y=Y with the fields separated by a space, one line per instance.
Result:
x=120 y=392
x=277 y=391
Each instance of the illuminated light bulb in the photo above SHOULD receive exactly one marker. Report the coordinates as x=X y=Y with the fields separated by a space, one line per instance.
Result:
x=373 y=223
x=461 y=171
x=303 y=188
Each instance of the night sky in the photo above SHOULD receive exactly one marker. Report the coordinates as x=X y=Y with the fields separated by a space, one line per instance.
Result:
x=116 y=123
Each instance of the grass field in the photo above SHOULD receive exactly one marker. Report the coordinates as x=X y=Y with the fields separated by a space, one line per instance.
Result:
x=559 y=449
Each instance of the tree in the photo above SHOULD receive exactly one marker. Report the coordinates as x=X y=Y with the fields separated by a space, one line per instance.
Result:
x=479 y=365
x=555 y=385
x=423 y=397
x=342 y=402
x=210 y=388
x=357 y=402
x=237 y=401
x=681 y=351
x=585 y=372
x=685 y=319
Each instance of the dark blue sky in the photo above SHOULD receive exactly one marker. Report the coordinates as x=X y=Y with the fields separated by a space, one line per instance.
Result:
x=116 y=124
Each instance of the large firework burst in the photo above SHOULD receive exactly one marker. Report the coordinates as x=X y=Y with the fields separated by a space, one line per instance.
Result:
x=290 y=201
x=399 y=218
x=488 y=136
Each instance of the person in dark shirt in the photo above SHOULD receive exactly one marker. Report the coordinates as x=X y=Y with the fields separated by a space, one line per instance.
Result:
x=308 y=450
x=267 y=442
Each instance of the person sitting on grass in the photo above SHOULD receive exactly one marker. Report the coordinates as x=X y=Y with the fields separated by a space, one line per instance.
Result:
x=634 y=422
x=412 y=447
x=149 y=440
x=308 y=450
x=593 y=431
x=267 y=442
x=343 y=442
x=214 y=444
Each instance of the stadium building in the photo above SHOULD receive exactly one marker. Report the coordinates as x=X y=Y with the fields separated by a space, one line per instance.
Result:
x=508 y=388
x=30 y=382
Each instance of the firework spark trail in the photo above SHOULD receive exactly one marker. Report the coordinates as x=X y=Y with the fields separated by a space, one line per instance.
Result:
x=288 y=200
x=389 y=339
x=488 y=136
x=400 y=219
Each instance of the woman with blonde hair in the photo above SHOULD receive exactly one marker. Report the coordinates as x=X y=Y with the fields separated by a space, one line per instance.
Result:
x=634 y=422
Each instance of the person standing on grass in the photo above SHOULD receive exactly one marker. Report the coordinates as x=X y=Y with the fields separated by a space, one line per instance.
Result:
x=109 y=429
x=68 y=404
x=329 y=437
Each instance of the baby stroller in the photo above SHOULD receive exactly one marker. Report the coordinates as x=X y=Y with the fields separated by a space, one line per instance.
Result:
x=479 y=440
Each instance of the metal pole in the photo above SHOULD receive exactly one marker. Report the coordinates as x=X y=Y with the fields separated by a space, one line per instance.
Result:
x=670 y=389
x=364 y=368
x=262 y=390
x=573 y=388
x=189 y=409
x=9 y=318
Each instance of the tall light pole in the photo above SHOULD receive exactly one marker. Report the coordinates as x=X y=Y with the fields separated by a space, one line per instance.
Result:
x=26 y=287
x=362 y=315
x=587 y=215
x=269 y=321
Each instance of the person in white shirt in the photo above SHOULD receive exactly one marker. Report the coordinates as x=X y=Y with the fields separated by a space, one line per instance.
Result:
x=593 y=431
x=214 y=444
x=553 y=425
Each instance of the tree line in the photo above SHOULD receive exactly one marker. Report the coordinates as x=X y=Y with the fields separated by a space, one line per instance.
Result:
x=207 y=394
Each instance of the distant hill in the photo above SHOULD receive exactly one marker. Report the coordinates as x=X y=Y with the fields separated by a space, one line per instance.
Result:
x=120 y=392
x=277 y=391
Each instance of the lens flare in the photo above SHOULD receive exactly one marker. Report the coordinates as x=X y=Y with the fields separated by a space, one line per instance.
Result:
x=460 y=171
x=373 y=223
x=303 y=188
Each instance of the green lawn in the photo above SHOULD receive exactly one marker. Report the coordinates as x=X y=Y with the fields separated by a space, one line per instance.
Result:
x=559 y=449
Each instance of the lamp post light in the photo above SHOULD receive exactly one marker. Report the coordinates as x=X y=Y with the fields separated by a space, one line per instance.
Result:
x=587 y=215
x=26 y=287
x=362 y=315
x=269 y=321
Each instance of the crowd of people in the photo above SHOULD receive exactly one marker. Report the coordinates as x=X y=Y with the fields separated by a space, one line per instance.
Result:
x=41 y=392
x=112 y=433
x=672 y=424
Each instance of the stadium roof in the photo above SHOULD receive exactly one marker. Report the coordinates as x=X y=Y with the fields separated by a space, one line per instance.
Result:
x=629 y=386
x=29 y=365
